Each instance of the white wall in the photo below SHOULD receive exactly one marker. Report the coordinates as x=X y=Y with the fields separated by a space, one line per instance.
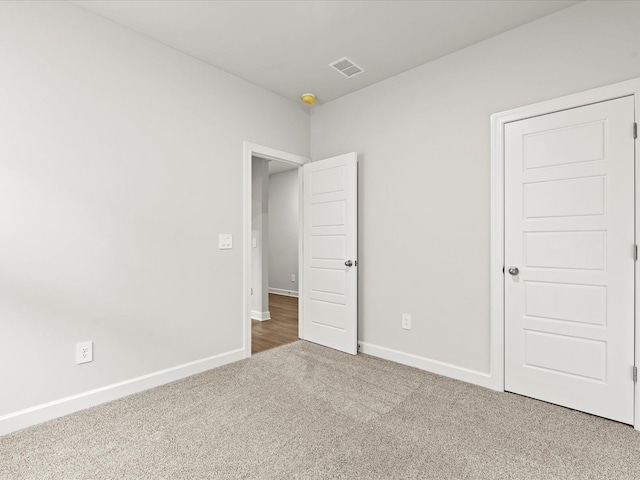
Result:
x=120 y=163
x=260 y=234
x=424 y=170
x=283 y=231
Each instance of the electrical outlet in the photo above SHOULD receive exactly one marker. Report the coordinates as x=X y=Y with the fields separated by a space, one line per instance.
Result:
x=84 y=352
x=406 y=321
x=293 y=277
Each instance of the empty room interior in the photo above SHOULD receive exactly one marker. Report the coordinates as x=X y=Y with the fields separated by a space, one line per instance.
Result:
x=319 y=239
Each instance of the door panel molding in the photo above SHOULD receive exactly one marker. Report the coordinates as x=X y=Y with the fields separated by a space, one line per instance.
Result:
x=498 y=122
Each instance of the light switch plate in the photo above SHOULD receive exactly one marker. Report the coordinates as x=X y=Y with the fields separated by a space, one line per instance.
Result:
x=225 y=241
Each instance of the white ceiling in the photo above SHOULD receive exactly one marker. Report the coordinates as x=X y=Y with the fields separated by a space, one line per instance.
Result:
x=279 y=167
x=286 y=46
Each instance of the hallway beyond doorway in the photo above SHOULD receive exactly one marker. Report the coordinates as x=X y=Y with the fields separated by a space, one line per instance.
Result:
x=281 y=329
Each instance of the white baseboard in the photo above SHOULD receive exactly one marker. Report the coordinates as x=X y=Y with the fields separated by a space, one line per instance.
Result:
x=434 y=366
x=280 y=291
x=262 y=316
x=64 y=406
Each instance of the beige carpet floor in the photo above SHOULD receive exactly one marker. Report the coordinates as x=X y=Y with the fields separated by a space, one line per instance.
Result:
x=304 y=411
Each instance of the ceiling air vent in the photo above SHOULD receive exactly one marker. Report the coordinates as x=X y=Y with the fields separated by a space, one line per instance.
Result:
x=346 y=67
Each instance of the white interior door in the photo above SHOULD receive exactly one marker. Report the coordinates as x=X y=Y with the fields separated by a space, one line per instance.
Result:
x=569 y=230
x=330 y=248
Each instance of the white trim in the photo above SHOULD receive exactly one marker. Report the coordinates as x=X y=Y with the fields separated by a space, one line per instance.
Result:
x=498 y=121
x=64 y=406
x=280 y=291
x=434 y=366
x=300 y=251
x=260 y=316
x=249 y=150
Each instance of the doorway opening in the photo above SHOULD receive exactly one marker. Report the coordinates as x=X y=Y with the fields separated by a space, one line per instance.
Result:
x=275 y=240
x=272 y=248
x=327 y=249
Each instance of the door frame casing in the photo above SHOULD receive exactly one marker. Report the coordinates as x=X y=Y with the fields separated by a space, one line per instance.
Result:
x=498 y=121
x=249 y=151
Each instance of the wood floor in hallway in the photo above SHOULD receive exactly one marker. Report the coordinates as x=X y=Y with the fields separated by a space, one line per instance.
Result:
x=281 y=329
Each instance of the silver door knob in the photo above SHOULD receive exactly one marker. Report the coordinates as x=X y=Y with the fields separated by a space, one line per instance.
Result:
x=514 y=270
x=349 y=263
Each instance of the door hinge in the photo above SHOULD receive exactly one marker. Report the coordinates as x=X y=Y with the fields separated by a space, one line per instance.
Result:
x=635 y=130
x=635 y=252
x=635 y=374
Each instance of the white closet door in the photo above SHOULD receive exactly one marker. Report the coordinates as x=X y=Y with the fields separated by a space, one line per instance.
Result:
x=569 y=231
